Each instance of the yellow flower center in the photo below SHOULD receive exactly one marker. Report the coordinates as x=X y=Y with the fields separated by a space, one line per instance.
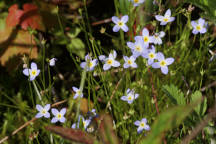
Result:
x=165 y=19
x=136 y=1
x=33 y=72
x=129 y=62
x=43 y=111
x=163 y=63
x=109 y=62
x=146 y=39
x=84 y=123
x=59 y=116
x=142 y=124
x=90 y=64
x=120 y=23
x=198 y=27
x=138 y=48
x=151 y=55
x=130 y=98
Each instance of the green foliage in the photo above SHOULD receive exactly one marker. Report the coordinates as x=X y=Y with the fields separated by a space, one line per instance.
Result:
x=201 y=108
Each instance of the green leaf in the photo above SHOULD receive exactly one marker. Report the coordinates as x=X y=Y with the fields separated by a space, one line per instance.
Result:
x=176 y=96
x=74 y=32
x=167 y=121
x=124 y=6
x=201 y=108
x=77 y=47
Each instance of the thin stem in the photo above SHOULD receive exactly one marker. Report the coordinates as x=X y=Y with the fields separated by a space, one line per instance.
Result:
x=37 y=91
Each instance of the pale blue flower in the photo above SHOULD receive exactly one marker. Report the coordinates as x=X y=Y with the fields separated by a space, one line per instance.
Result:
x=78 y=93
x=43 y=111
x=142 y=125
x=157 y=37
x=90 y=63
x=145 y=37
x=110 y=61
x=33 y=72
x=150 y=55
x=163 y=63
x=199 y=27
x=130 y=97
x=129 y=62
x=52 y=61
x=120 y=23
x=85 y=123
x=92 y=114
x=137 y=2
x=166 y=18
x=138 y=47
x=59 y=116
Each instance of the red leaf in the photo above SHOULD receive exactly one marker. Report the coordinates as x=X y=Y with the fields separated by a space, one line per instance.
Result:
x=14 y=15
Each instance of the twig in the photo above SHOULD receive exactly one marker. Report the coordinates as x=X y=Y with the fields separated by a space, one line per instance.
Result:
x=208 y=86
x=101 y=22
x=28 y=122
x=200 y=126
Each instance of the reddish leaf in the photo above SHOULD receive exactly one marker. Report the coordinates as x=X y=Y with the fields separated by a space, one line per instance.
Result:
x=14 y=15
x=72 y=134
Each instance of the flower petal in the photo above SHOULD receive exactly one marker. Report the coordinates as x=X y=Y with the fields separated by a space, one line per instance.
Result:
x=39 y=107
x=203 y=30
x=193 y=24
x=54 y=120
x=63 y=111
x=75 y=89
x=159 y=17
x=115 y=63
x=124 y=28
x=106 y=67
x=171 y=19
x=160 y=56
x=124 y=18
x=156 y=65
x=102 y=57
x=54 y=111
x=126 y=65
x=33 y=66
x=161 y=34
x=116 y=28
x=124 y=98
x=140 y=129
x=130 y=45
x=62 y=120
x=39 y=115
x=47 y=115
x=163 y=23
x=137 y=123
x=47 y=107
x=115 y=19
x=145 y=32
x=168 y=13
x=201 y=21
x=26 y=72
x=144 y=120
x=169 y=61
x=147 y=127
x=83 y=64
x=164 y=70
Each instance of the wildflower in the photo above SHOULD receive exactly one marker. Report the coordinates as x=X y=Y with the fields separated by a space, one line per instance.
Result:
x=131 y=96
x=158 y=36
x=129 y=62
x=163 y=63
x=142 y=125
x=43 y=111
x=78 y=92
x=90 y=63
x=120 y=23
x=150 y=55
x=145 y=37
x=59 y=116
x=85 y=123
x=110 y=61
x=137 y=48
x=52 y=61
x=137 y=2
x=166 y=18
x=33 y=72
x=199 y=27
x=92 y=114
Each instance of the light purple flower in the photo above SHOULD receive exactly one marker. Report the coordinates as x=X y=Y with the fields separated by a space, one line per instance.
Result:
x=43 y=111
x=129 y=62
x=90 y=63
x=85 y=123
x=142 y=125
x=52 y=61
x=130 y=97
x=33 y=72
x=166 y=18
x=120 y=23
x=138 y=47
x=157 y=37
x=145 y=37
x=150 y=55
x=110 y=61
x=199 y=27
x=163 y=63
x=78 y=93
x=137 y=2
x=59 y=116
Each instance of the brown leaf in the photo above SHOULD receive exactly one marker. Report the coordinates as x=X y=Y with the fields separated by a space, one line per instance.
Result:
x=14 y=15
x=72 y=134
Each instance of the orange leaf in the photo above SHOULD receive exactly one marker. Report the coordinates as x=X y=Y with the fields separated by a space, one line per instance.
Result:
x=14 y=15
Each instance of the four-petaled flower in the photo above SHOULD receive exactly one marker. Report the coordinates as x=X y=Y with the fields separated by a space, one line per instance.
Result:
x=90 y=63
x=120 y=23
x=199 y=27
x=43 y=111
x=52 y=61
x=33 y=72
x=157 y=37
x=131 y=96
x=110 y=61
x=78 y=92
x=146 y=37
x=137 y=2
x=85 y=123
x=166 y=18
x=163 y=63
x=138 y=47
x=129 y=62
x=142 y=125
x=150 y=55
x=59 y=116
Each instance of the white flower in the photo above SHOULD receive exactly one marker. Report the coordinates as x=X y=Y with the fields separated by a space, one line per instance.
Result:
x=150 y=55
x=90 y=63
x=138 y=47
x=33 y=72
x=110 y=61
x=157 y=37
x=85 y=123
x=59 y=116
x=52 y=61
x=120 y=23
x=78 y=92
x=166 y=18
x=129 y=62
x=145 y=37
x=199 y=27
x=142 y=125
x=131 y=96
x=43 y=111
x=137 y=2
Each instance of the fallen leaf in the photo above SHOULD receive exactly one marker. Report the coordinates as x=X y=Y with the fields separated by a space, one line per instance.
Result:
x=14 y=15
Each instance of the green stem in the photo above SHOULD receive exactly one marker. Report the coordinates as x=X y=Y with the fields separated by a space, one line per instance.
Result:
x=37 y=91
